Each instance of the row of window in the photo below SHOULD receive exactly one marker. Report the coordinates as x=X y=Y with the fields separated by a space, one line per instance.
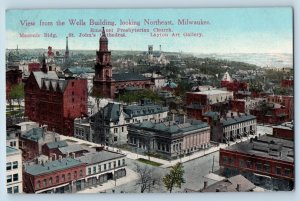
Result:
x=105 y=167
x=12 y=165
x=240 y=125
x=258 y=166
x=11 y=178
x=14 y=189
x=58 y=179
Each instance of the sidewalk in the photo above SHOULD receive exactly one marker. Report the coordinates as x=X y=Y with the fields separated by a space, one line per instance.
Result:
x=105 y=187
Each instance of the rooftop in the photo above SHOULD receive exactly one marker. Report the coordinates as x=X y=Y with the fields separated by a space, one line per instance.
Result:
x=52 y=166
x=98 y=157
x=266 y=146
x=11 y=150
x=36 y=134
x=231 y=185
x=237 y=119
x=211 y=92
x=73 y=148
x=53 y=145
x=128 y=77
x=39 y=75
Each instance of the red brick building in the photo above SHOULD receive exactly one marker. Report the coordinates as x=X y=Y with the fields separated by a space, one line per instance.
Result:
x=55 y=102
x=264 y=158
x=65 y=175
x=286 y=101
x=284 y=131
x=233 y=85
x=108 y=84
x=238 y=105
x=287 y=83
x=34 y=67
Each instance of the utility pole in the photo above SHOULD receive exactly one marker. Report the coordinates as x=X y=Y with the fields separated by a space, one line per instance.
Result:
x=212 y=168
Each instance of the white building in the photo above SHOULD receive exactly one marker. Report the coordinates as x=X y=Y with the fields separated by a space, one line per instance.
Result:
x=14 y=181
x=110 y=124
x=159 y=80
x=103 y=166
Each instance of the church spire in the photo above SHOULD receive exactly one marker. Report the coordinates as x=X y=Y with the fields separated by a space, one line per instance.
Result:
x=103 y=43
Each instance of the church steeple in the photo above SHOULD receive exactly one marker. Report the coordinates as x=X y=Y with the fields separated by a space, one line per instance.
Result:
x=103 y=42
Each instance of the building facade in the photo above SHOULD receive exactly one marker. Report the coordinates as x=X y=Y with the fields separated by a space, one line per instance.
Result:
x=55 y=102
x=14 y=179
x=169 y=139
x=110 y=125
x=266 y=161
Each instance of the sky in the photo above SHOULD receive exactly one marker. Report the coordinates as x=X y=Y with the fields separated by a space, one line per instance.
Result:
x=230 y=30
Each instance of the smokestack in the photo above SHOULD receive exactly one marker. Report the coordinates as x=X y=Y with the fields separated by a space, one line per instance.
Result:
x=238 y=187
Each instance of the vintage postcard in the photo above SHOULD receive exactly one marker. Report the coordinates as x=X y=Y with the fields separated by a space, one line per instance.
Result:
x=149 y=100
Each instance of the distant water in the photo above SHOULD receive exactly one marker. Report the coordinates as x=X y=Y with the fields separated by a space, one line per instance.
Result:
x=262 y=60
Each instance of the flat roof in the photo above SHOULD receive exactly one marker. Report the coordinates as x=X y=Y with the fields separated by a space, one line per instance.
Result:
x=98 y=157
x=266 y=146
x=12 y=150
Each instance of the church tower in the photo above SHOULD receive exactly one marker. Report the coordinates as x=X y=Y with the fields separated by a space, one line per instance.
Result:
x=103 y=83
x=103 y=69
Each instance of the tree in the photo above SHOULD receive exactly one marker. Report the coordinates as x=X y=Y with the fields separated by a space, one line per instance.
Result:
x=97 y=95
x=17 y=93
x=175 y=177
x=147 y=180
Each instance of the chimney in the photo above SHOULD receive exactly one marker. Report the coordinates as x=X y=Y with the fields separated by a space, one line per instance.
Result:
x=205 y=185
x=238 y=187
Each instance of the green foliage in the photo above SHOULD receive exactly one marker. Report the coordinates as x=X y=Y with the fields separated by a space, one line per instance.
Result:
x=130 y=97
x=153 y=163
x=175 y=177
x=17 y=93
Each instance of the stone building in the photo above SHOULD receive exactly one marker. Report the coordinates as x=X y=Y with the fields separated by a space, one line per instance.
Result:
x=169 y=139
x=110 y=125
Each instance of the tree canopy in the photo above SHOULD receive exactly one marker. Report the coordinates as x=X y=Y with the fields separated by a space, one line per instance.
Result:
x=175 y=177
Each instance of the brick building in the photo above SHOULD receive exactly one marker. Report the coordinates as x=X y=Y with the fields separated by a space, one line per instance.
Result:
x=199 y=103
x=287 y=83
x=266 y=161
x=65 y=175
x=108 y=84
x=55 y=102
x=169 y=139
x=284 y=131
x=233 y=85
x=286 y=101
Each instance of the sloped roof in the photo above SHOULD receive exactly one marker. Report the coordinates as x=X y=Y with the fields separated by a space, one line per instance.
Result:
x=72 y=148
x=237 y=119
x=52 y=166
x=226 y=77
x=53 y=145
x=38 y=75
x=79 y=70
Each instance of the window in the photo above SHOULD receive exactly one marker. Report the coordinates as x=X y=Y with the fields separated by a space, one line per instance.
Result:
x=123 y=161
x=99 y=168
x=249 y=164
x=266 y=167
x=115 y=130
x=45 y=183
x=75 y=174
x=38 y=184
x=9 y=190
x=63 y=178
x=115 y=139
x=16 y=189
x=119 y=163
x=122 y=128
x=89 y=171
x=50 y=181
x=57 y=179
x=69 y=176
x=9 y=178
x=278 y=170
x=8 y=166
x=94 y=169
x=287 y=172
x=109 y=166
x=115 y=164
x=104 y=166
x=80 y=173
x=241 y=163
x=259 y=166
x=224 y=159
x=15 y=177
x=15 y=164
